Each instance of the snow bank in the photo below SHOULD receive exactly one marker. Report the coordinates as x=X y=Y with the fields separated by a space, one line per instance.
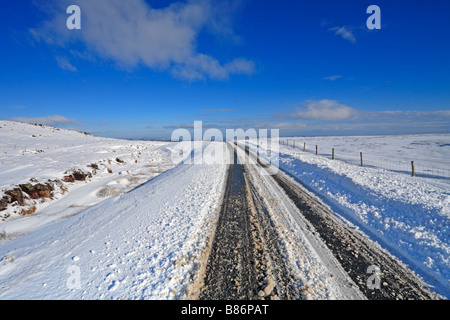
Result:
x=409 y=216
x=144 y=244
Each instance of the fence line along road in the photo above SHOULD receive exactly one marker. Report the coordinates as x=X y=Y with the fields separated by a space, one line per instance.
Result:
x=409 y=167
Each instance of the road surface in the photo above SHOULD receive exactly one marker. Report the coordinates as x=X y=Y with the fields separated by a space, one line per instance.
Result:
x=276 y=240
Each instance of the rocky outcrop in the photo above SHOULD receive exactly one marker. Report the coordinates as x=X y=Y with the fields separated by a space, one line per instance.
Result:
x=77 y=175
x=37 y=191
x=15 y=195
x=18 y=196
x=4 y=201
x=25 y=197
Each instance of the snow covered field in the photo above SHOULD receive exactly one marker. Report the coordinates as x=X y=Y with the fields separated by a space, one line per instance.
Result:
x=410 y=216
x=34 y=154
x=144 y=244
x=109 y=235
x=430 y=152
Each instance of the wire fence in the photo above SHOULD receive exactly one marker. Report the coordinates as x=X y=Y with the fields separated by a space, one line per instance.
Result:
x=400 y=165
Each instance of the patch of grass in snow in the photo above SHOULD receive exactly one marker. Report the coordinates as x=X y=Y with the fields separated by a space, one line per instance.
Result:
x=3 y=235
x=107 y=191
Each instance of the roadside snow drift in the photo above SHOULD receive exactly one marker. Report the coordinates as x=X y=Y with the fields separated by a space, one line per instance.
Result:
x=409 y=216
x=144 y=244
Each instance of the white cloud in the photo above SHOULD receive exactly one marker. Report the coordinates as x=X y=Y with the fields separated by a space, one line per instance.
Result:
x=324 y=110
x=285 y=125
x=344 y=32
x=48 y=121
x=64 y=64
x=199 y=66
x=333 y=78
x=133 y=34
x=218 y=110
x=415 y=113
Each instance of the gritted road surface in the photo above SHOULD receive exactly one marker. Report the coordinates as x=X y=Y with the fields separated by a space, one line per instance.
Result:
x=246 y=263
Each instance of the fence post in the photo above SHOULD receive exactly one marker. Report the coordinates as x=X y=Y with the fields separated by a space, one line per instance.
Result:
x=293 y=144
x=304 y=146
x=316 y=149
x=413 y=169
x=361 y=158
x=332 y=154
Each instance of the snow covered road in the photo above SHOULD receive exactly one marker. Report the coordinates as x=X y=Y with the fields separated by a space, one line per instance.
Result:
x=311 y=231
x=323 y=253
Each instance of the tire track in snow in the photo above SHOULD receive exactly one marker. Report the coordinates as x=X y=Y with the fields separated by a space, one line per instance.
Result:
x=244 y=263
x=247 y=261
x=355 y=253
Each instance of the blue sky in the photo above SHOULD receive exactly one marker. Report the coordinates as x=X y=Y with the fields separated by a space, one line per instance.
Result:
x=140 y=69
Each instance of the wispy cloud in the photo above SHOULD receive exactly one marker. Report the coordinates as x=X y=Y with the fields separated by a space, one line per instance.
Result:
x=409 y=113
x=205 y=125
x=64 y=64
x=323 y=110
x=329 y=117
x=218 y=110
x=133 y=34
x=332 y=78
x=344 y=32
x=54 y=120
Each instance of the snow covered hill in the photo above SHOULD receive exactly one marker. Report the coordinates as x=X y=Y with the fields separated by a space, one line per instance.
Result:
x=144 y=244
x=48 y=173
